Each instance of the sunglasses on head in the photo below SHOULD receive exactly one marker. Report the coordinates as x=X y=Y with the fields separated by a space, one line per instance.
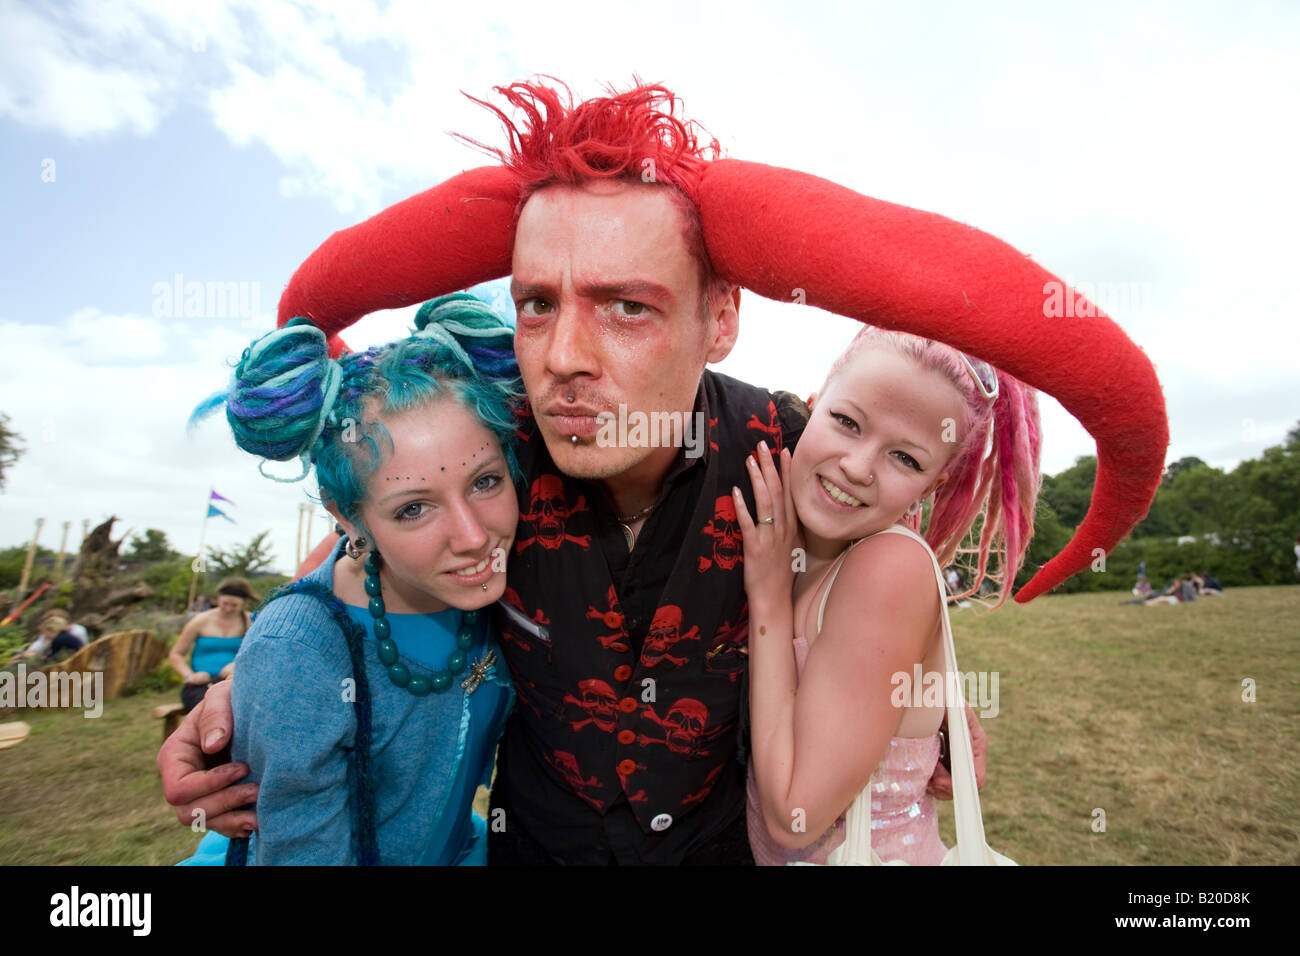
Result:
x=986 y=378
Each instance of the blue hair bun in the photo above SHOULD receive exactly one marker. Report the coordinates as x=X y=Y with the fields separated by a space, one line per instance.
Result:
x=284 y=387
x=477 y=329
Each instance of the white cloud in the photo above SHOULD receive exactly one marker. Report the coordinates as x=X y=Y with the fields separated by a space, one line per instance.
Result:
x=110 y=439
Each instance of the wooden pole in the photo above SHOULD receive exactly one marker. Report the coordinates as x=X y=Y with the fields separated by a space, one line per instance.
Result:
x=31 y=553
x=63 y=550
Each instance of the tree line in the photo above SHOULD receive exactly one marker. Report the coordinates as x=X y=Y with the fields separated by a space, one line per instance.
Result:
x=1240 y=525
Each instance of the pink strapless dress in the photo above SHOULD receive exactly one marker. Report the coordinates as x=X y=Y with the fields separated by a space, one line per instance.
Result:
x=904 y=821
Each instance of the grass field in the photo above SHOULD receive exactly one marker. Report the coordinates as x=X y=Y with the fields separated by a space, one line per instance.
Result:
x=1133 y=711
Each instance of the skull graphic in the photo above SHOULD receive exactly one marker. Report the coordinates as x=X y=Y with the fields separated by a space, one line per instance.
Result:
x=548 y=513
x=665 y=633
x=598 y=700
x=726 y=536
x=772 y=429
x=566 y=764
x=683 y=728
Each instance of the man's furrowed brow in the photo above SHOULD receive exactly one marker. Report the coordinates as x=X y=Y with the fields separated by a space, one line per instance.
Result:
x=526 y=289
x=625 y=289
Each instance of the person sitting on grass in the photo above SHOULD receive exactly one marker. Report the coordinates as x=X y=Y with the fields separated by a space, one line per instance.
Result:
x=58 y=640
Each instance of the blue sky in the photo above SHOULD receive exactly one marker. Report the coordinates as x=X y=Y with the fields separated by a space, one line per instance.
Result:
x=1143 y=149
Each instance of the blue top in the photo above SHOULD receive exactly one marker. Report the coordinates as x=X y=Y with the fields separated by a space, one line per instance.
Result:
x=295 y=724
x=213 y=653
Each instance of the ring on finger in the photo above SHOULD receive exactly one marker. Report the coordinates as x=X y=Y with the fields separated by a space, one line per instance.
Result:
x=766 y=520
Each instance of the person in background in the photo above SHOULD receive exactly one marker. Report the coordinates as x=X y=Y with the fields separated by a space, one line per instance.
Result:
x=1209 y=585
x=1142 y=588
x=57 y=634
x=204 y=653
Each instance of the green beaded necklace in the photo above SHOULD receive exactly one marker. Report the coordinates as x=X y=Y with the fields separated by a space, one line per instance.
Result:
x=398 y=673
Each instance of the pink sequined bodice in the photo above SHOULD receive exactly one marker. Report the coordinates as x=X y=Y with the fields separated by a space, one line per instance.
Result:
x=904 y=821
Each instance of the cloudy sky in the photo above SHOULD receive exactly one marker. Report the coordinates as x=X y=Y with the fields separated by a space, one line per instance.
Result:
x=1146 y=151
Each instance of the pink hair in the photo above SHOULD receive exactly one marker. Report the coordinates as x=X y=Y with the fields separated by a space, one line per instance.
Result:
x=994 y=477
x=635 y=136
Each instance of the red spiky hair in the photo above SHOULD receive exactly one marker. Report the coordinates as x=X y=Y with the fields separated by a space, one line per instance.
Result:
x=636 y=135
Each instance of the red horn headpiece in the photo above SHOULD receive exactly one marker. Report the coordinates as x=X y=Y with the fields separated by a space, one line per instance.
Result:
x=775 y=230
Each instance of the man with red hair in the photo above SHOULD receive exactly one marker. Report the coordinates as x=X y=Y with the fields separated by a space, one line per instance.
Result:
x=625 y=625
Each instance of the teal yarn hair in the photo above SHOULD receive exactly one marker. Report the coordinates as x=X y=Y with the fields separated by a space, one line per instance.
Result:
x=289 y=399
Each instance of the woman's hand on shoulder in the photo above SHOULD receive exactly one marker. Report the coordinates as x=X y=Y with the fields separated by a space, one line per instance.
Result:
x=771 y=536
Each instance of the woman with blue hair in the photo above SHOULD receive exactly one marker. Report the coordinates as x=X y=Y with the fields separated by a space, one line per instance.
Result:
x=369 y=695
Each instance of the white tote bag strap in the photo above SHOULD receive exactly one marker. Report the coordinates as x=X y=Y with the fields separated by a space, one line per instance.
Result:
x=971 y=847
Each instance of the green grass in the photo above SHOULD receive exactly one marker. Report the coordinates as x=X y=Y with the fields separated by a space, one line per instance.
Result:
x=1136 y=711
x=86 y=791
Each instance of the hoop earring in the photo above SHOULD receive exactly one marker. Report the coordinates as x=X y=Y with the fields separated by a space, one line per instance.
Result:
x=913 y=508
x=356 y=549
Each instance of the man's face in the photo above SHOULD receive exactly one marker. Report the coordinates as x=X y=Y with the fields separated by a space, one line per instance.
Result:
x=609 y=305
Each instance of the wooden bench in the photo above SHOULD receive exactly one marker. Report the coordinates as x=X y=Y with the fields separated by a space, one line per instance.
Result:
x=13 y=733
x=171 y=715
x=123 y=658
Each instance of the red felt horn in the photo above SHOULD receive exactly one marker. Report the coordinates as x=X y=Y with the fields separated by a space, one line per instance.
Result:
x=777 y=231
x=447 y=238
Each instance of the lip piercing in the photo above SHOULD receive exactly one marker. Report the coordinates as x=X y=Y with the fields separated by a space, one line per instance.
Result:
x=485 y=587
x=574 y=439
x=571 y=399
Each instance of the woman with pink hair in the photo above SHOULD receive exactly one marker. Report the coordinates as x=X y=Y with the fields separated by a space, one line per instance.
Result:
x=901 y=421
